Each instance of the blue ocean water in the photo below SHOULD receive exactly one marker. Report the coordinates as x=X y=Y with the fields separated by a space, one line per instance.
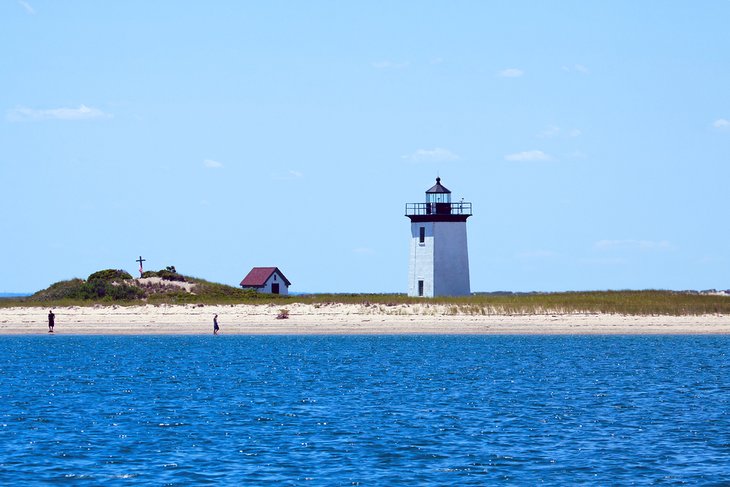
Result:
x=364 y=410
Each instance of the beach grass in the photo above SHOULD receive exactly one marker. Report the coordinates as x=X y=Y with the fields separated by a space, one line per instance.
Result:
x=647 y=302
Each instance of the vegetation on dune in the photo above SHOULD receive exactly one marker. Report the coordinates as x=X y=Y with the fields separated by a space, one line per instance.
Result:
x=90 y=290
x=119 y=287
x=649 y=302
x=116 y=286
x=205 y=292
x=110 y=275
x=168 y=274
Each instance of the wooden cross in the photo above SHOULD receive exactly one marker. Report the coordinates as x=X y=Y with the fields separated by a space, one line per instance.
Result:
x=140 y=260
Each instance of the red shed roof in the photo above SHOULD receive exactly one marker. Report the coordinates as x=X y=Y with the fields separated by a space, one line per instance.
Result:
x=259 y=275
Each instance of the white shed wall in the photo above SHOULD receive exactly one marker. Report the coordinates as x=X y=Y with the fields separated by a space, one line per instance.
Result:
x=275 y=278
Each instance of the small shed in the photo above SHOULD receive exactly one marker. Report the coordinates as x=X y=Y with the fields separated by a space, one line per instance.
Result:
x=268 y=280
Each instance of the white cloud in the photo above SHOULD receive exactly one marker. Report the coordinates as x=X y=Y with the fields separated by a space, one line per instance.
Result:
x=511 y=73
x=28 y=7
x=210 y=163
x=574 y=133
x=722 y=124
x=576 y=68
x=389 y=65
x=576 y=154
x=30 y=114
x=550 y=132
x=630 y=244
x=288 y=175
x=528 y=156
x=432 y=155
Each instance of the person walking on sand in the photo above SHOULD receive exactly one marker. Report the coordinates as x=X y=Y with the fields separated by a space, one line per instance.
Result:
x=51 y=321
x=215 y=325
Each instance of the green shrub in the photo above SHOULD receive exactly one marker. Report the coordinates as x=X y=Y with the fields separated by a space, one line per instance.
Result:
x=110 y=275
x=71 y=289
x=168 y=275
x=124 y=292
x=92 y=290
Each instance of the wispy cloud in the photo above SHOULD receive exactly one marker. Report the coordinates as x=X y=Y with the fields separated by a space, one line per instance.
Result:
x=510 y=73
x=630 y=244
x=721 y=124
x=438 y=154
x=288 y=175
x=576 y=154
x=389 y=64
x=553 y=131
x=28 y=7
x=711 y=260
x=211 y=164
x=576 y=68
x=83 y=112
x=529 y=156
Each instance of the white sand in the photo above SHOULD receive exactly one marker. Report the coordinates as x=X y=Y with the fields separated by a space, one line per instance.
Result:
x=164 y=284
x=340 y=319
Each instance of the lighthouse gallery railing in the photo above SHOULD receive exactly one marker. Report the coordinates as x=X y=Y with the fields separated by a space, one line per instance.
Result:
x=458 y=208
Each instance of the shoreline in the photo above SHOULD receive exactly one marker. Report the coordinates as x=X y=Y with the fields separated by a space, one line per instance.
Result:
x=342 y=319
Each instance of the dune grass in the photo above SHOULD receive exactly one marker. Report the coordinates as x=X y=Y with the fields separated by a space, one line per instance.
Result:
x=602 y=302
x=649 y=302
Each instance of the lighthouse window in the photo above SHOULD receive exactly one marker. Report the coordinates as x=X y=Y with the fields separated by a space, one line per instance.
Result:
x=421 y=234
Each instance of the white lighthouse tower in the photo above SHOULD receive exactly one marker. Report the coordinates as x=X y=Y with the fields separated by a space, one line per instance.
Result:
x=439 y=260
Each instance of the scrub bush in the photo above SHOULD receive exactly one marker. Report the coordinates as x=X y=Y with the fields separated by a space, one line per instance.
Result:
x=110 y=275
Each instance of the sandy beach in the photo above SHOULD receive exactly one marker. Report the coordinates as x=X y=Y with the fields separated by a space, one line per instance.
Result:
x=338 y=318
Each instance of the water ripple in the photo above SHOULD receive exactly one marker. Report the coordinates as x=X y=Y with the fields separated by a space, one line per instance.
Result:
x=371 y=410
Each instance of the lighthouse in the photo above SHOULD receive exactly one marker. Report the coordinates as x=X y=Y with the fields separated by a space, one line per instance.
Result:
x=439 y=258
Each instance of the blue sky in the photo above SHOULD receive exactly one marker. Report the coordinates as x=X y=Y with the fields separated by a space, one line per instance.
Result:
x=593 y=139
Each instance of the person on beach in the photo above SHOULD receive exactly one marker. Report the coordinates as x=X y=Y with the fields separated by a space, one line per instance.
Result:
x=215 y=325
x=51 y=321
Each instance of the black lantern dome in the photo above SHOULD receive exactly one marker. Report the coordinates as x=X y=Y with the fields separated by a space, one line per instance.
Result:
x=438 y=206
x=438 y=193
